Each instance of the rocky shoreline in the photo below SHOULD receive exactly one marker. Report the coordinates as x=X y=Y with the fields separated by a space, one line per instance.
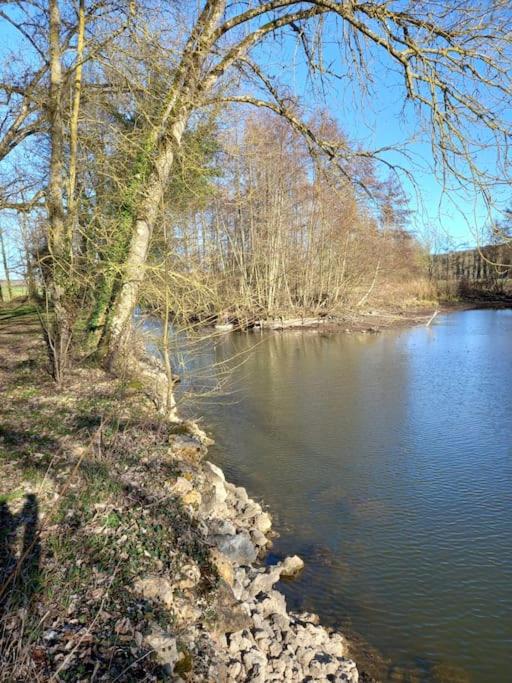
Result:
x=252 y=634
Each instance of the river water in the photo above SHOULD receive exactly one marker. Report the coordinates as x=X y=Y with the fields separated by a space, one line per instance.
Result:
x=387 y=463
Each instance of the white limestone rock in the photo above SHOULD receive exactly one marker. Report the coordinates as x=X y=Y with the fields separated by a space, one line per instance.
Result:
x=291 y=566
x=238 y=548
x=163 y=645
x=156 y=588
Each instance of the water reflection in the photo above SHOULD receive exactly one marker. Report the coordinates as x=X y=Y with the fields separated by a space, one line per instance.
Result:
x=387 y=460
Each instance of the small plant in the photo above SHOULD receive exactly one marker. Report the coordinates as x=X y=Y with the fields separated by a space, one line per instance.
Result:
x=112 y=521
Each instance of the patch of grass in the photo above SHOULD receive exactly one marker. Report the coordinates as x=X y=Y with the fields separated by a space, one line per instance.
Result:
x=29 y=392
x=20 y=311
x=100 y=484
x=12 y=495
x=113 y=521
x=17 y=290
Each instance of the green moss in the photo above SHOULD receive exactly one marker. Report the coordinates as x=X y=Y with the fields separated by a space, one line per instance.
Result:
x=29 y=392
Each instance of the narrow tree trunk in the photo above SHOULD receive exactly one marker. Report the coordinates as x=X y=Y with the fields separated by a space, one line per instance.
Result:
x=59 y=334
x=73 y=130
x=29 y=268
x=169 y=407
x=6 y=265
x=31 y=283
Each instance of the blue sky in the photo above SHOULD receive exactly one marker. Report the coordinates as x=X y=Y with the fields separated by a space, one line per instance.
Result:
x=10 y=42
x=377 y=119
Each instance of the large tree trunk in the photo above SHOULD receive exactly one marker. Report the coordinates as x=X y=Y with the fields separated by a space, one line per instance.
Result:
x=117 y=331
x=117 y=293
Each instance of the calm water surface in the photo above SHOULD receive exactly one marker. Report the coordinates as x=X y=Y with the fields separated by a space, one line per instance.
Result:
x=387 y=462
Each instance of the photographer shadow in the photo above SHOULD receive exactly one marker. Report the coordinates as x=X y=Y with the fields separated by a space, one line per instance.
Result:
x=20 y=553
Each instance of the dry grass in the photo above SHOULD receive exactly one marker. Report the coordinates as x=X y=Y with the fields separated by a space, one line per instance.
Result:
x=404 y=294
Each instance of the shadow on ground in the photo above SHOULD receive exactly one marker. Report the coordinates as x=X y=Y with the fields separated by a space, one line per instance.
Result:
x=20 y=553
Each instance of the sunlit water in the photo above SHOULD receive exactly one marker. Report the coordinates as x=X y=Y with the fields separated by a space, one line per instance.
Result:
x=387 y=462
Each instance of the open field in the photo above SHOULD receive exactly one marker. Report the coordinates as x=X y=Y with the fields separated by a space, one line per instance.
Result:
x=18 y=288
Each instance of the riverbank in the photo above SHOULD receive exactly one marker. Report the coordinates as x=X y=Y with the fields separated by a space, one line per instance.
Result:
x=370 y=321
x=373 y=320
x=125 y=555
